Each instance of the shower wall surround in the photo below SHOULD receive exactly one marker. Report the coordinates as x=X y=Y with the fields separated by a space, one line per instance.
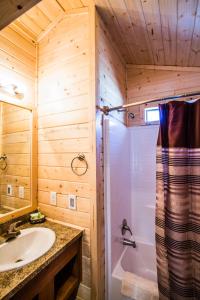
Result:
x=131 y=178
x=143 y=181
x=119 y=184
x=130 y=192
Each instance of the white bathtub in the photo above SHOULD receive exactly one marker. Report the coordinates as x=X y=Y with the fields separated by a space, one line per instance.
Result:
x=140 y=261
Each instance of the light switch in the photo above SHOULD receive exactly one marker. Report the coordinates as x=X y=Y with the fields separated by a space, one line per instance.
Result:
x=9 y=189
x=21 y=192
x=53 y=197
x=72 y=202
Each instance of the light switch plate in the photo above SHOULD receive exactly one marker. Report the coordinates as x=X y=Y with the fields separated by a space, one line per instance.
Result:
x=21 y=192
x=53 y=198
x=72 y=202
x=9 y=190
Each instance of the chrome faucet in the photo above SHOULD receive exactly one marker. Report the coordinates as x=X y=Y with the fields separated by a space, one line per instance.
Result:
x=12 y=231
x=129 y=243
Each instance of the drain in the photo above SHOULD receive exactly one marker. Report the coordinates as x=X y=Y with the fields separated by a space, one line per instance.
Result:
x=18 y=260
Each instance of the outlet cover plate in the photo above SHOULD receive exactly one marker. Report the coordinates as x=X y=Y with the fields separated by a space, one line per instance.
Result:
x=53 y=198
x=72 y=202
x=9 y=190
x=21 y=192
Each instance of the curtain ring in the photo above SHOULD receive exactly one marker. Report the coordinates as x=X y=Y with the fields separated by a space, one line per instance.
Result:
x=80 y=157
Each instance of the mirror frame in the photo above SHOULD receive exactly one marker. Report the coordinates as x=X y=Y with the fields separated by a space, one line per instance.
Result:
x=33 y=173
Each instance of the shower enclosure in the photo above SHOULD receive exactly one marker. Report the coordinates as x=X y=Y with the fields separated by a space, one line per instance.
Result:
x=130 y=192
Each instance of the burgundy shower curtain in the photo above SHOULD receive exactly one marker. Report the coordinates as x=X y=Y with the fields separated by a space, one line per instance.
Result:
x=178 y=201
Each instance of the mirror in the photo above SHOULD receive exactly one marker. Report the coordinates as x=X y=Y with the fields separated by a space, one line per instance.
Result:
x=16 y=160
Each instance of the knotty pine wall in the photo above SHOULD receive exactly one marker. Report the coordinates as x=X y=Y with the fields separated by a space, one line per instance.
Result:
x=17 y=66
x=111 y=70
x=65 y=128
x=145 y=82
x=111 y=91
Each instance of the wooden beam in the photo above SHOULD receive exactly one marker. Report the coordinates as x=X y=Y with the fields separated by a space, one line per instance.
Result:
x=11 y=10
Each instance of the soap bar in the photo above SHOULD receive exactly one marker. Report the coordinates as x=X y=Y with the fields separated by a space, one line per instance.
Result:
x=34 y=215
x=37 y=215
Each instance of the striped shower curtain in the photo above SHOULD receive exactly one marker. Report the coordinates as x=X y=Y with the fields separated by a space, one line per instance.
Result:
x=178 y=201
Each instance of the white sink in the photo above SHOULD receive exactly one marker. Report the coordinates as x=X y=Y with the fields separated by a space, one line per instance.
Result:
x=28 y=246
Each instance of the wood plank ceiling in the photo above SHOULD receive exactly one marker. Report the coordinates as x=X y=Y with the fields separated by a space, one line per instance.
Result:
x=36 y=21
x=155 y=32
x=147 y=32
x=10 y=10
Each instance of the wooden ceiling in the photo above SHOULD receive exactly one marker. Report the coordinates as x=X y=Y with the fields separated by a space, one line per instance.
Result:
x=155 y=32
x=42 y=16
x=10 y=10
x=147 y=32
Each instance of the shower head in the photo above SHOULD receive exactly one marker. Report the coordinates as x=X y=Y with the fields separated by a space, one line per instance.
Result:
x=131 y=115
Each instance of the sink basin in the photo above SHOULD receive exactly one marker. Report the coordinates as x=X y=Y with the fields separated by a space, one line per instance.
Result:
x=28 y=246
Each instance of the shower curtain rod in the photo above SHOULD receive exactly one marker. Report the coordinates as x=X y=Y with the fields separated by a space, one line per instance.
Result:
x=107 y=109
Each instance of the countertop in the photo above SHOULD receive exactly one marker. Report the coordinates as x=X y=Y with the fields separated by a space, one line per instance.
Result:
x=12 y=281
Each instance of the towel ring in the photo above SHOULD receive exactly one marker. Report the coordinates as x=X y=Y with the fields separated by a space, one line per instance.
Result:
x=80 y=157
x=3 y=158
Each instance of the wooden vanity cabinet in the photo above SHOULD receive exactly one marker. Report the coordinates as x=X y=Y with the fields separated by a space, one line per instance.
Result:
x=59 y=280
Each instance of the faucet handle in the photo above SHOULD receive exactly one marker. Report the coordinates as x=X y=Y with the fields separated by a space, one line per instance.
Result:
x=125 y=227
x=13 y=226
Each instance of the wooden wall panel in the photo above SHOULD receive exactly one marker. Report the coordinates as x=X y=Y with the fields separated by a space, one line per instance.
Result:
x=111 y=91
x=65 y=128
x=144 y=83
x=185 y=30
x=111 y=71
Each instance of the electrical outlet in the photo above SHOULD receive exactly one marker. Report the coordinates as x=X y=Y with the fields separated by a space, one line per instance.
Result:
x=72 y=202
x=9 y=190
x=53 y=198
x=21 y=192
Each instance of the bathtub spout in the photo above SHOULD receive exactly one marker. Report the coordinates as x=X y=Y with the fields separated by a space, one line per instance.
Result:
x=129 y=243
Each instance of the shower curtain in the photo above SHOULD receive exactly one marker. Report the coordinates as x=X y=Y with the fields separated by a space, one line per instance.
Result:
x=178 y=201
